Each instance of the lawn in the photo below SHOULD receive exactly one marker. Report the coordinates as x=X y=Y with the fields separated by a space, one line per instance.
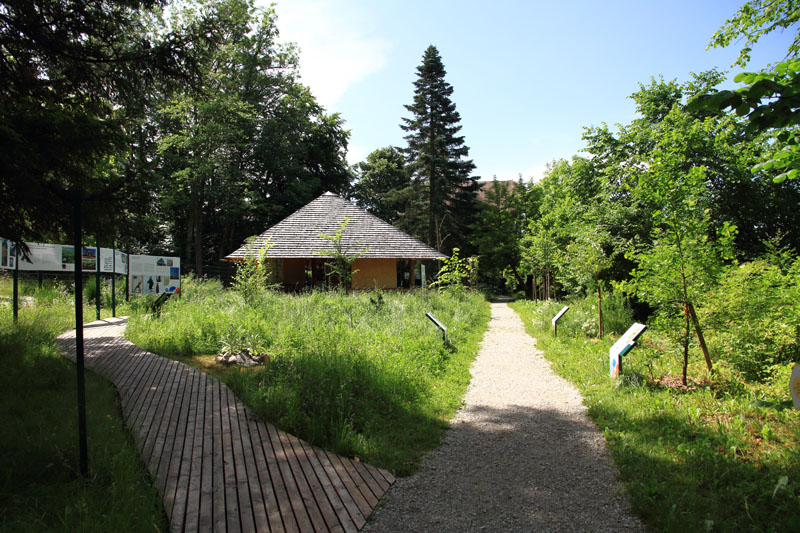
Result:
x=718 y=455
x=364 y=374
x=40 y=483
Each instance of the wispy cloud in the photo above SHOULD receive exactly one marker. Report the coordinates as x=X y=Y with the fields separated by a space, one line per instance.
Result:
x=337 y=49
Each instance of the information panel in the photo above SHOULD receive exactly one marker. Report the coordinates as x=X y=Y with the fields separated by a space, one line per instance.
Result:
x=60 y=257
x=154 y=274
x=623 y=346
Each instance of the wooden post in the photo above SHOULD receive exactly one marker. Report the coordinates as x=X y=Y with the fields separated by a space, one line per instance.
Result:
x=411 y=268
x=535 y=290
x=700 y=337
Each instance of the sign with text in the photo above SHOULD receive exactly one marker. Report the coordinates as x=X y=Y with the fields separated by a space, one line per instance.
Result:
x=794 y=386
x=59 y=257
x=154 y=274
x=623 y=346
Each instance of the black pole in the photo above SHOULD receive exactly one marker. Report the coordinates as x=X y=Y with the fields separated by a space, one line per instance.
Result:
x=99 y=293
x=79 y=337
x=16 y=283
x=128 y=277
x=113 y=280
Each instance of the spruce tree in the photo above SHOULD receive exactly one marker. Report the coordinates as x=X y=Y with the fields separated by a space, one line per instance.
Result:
x=437 y=155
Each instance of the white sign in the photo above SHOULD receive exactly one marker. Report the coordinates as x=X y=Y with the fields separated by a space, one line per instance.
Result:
x=61 y=257
x=154 y=274
x=559 y=315
x=623 y=346
x=794 y=386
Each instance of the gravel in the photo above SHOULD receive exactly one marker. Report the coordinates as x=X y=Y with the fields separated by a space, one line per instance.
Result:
x=521 y=455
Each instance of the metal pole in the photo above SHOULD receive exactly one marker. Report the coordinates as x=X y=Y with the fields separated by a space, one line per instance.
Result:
x=84 y=461
x=16 y=283
x=113 y=280
x=99 y=293
x=128 y=277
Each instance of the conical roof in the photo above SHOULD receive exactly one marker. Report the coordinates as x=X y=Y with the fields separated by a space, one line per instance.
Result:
x=297 y=236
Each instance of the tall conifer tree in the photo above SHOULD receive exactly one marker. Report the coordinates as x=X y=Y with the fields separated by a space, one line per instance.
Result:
x=437 y=156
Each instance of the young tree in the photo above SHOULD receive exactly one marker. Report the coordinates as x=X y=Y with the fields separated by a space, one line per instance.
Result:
x=436 y=156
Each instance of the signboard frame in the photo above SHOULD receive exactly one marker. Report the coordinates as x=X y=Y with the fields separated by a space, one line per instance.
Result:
x=622 y=347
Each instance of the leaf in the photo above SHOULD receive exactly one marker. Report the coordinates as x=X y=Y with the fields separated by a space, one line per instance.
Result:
x=783 y=481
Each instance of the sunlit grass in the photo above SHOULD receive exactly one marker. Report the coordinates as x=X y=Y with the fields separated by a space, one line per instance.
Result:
x=364 y=375
x=42 y=489
x=705 y=457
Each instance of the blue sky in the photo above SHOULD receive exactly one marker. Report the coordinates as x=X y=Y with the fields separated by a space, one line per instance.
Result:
x=527 y=75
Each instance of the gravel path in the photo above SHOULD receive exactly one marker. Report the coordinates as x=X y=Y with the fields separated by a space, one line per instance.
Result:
x=521 y=455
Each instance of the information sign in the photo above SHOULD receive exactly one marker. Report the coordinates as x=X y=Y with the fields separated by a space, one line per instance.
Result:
x=794 y=386
x=154 y=274
x=558 y=316
x=623 y=346
x=59 y=257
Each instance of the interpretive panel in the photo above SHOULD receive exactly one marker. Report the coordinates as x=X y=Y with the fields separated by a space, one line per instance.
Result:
x=157 y=274
x=623 y=346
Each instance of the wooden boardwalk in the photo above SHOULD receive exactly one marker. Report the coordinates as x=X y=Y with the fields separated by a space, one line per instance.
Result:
x=215 y=465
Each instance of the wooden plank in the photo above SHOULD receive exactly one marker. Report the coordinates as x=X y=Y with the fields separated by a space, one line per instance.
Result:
x=331 y=520
x=240 y=466
x=292 y=490
x=219 y=493
x=348 y=502
x=151 y=388
x=310 y=504
x=265 y=480
x=278 y=487
x=352 y=486
x=136 y=385
x=233 y=521
x=181 y=462
x=370 y=482
x=257 y=498
x=359 y=482
x=198 y=504
x=335 y=500
x=159 y=418
x=166 y=440
x=129 y=380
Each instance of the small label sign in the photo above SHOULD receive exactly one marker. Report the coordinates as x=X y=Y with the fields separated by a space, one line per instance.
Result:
x=559 y=315
x=438 y=324
x=794 y=386
x=623 y=346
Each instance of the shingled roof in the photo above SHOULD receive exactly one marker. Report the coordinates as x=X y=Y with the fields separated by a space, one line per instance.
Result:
x=297 y=236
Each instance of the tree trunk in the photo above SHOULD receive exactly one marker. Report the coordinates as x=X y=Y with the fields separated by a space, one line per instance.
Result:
x=685 y=344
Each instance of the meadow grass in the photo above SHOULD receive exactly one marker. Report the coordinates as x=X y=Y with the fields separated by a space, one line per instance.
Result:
x=365 y=374
x=41 y=486
x=714 y=456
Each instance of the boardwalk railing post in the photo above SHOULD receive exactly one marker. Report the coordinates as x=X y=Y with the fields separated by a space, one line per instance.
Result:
x=84 y=461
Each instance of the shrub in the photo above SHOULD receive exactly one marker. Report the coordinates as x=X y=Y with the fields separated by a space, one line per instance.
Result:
x=753 y=318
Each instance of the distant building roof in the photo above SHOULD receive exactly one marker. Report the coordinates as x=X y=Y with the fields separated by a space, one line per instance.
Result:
x=509 y=185
x=297 y=236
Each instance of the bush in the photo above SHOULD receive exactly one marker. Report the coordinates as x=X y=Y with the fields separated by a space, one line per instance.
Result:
x=752 y=318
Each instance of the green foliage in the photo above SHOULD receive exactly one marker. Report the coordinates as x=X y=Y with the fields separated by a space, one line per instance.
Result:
x=39 y=474
x=581 y=319
x=341 y=268
x=456 y=272
x=363 y=379
x=436 y=156
x=754 y=320
x=704 y=457
x=382 y=183
x=253 y=274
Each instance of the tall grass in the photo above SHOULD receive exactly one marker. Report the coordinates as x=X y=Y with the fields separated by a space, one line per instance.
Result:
x=363 y=374
x=716 y=456
x=39 y=474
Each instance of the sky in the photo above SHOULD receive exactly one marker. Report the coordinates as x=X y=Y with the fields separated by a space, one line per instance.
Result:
x=527 y=76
